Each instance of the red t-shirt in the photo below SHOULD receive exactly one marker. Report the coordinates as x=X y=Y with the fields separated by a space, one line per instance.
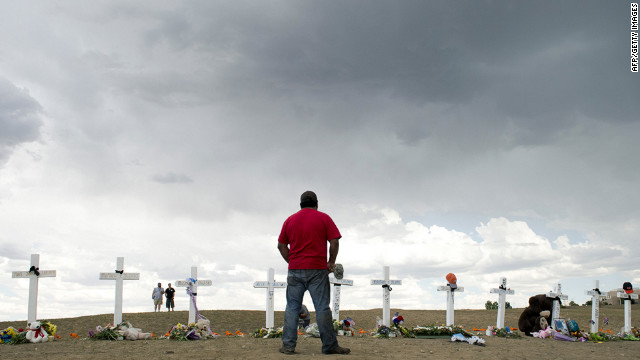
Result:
x=307 y=233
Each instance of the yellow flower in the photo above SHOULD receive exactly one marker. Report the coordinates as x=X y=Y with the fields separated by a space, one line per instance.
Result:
x=8 y=331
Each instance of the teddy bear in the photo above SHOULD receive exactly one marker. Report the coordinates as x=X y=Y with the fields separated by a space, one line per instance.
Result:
x=131 y=333
x=36 y=333
x=203 y=325
x=537 y=315
x=541 y=322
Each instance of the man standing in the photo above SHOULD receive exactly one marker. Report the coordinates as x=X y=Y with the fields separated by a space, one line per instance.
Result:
x=169 y=293
x=303 y=245
x=156 y=295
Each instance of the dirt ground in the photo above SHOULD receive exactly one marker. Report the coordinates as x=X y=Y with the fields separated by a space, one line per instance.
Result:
x=366 y=347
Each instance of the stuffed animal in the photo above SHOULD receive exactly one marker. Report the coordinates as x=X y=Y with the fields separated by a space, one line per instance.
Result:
x=204 y=325
x=542 y=321
x=543 y=334
x=36 y=334
x=538 y=313
x=131 y=333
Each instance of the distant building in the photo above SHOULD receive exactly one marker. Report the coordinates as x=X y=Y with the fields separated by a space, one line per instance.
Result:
x=615 y=300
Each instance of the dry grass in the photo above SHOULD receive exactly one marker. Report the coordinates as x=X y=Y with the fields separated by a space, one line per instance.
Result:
x=248 y=321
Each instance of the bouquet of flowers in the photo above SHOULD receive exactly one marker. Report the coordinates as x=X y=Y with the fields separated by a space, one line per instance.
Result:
x=381 y=332
x=108 y=332
x=347 y=324
x=402 y=331
x=313 y=331
x=506 y=333
x=181 y=332
x=12 y=336
x=397 y=327
x=439 y=331
x=267 y=333
x=49 y=328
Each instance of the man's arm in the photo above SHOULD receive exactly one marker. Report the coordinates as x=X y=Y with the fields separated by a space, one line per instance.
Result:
x=284 y=251
x=334 y=246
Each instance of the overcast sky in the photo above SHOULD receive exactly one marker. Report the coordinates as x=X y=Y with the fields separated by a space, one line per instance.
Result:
x=483 y=138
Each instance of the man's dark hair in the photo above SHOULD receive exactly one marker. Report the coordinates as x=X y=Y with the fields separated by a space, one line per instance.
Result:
x=308 y=199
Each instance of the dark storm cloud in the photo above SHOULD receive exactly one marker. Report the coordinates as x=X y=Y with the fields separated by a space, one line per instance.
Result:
x=533 y=66
x=19 y=118
x=460 y=102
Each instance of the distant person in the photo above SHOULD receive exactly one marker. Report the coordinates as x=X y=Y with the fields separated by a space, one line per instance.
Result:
x=157 y=297
x=303 y=244
x=169 y=293
x=305 y=317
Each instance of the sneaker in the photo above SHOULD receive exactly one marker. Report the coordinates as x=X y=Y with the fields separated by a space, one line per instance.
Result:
x=339 y=350
x=286 y=351
x=339 y=271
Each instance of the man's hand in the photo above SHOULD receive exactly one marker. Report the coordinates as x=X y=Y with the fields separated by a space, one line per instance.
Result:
x=284 y=251
x=331 y=266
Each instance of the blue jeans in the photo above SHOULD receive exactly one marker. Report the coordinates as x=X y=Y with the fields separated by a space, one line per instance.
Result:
x=317 y=282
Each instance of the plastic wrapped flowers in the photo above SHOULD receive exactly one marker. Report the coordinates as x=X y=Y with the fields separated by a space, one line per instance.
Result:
x=472 y=340
x=341 y=327
x=12 y=336
x=181 y=332
x=106 y=333
x=50 y=328
x=313 y=331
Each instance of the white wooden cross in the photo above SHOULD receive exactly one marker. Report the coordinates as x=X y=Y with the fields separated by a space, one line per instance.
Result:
x=386 y=295
x=450 y=301
x=33 y=274
x=557 y=296
x=191 y=286
x=627 y=308
x=270 y=285
x=596 y=296
x=337 y=285
x=502 y=292
x=119 y=275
